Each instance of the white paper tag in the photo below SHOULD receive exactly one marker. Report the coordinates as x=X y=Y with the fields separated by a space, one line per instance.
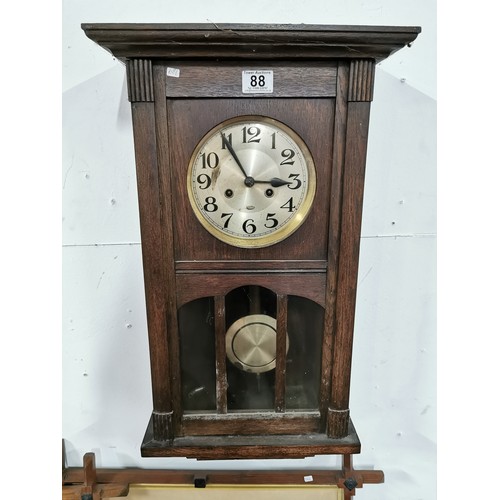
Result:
x=175 y=72
x=308 y=479
x=259 y=81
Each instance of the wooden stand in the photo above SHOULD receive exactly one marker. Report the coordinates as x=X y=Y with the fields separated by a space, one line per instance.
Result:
x=89 y=483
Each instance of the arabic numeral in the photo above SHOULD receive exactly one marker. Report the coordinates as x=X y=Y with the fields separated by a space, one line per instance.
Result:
x=258 y=81
x=249 y=227
x=228 y=218
x=210 y=205
x=210 y=160
x=204 y=181
x=288 y=154
x=228 y=138
x=251 y=134
x=289 y=205
x=270 y=219
x=297 y=182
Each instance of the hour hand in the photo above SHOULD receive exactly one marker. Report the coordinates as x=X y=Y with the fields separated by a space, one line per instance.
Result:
x=275 y=182
x=233 y=153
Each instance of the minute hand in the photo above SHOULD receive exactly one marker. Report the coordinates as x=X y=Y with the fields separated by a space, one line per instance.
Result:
x=275 y=182
x=233 y=154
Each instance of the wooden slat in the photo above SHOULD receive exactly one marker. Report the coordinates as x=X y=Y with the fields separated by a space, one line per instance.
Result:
x=194 y=286
x=248 y=424
x=281 y=338
x=154 y=271
x=216 y=80
x=270 y=266
x=339 y=132
x=220 y=354
x=269 y=477
x=163 y=252
x=352 y=201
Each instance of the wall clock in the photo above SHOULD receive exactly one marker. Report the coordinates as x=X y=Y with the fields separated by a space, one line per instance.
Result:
x=250 y=148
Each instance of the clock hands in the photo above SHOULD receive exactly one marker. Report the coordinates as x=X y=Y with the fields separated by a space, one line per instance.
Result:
x=275 y=182
x=233 y=154
x=250 y=181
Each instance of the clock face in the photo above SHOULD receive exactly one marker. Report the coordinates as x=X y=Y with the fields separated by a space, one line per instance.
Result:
x=251 y=181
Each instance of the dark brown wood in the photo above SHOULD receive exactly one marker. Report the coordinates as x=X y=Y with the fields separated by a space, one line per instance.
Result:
x=270 y=266
x=89 y=475
x=251 y=424
x=163 y=252
x=191 y=119
x=192 y=286
x=224 y=80
x=220 y=356
x=281 y=342
x=111 y=483
x=220 y=477
x=352 y=206
x=338 y=139
x=255 y=447
x=361 y=80
x=144 y=126
x=88 y=486
x=140 y=80
x=250 y=41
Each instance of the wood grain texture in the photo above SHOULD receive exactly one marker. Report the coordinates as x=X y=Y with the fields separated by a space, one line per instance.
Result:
x=194 y=286
x=337 y=422
x=153 y=263
x=352 y=206
x=163 y=252
x=270 y=266
x=249 y=41
x=225 y=80
x=361 y=80
x=190 y=119
x=251 y=424
x=223 y=477
x=280 y=370
x=220 y=355
x=338 y=139
x=255 y=447
x=140 y=80
x=163 y=429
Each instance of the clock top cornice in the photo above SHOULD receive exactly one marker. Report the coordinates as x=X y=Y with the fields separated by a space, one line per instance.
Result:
x=249 y=41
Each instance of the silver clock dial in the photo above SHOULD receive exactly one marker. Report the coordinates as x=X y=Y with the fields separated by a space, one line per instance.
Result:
x=251 y=181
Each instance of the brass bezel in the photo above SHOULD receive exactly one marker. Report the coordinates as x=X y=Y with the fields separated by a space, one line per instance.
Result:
x=300 y=215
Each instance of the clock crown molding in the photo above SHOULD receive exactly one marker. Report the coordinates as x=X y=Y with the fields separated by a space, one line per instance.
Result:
x=249 y=41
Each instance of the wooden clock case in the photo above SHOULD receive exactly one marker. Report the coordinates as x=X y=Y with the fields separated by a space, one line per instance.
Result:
x=184 y=79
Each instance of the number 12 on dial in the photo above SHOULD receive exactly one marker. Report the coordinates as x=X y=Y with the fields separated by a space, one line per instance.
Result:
x=251 y=181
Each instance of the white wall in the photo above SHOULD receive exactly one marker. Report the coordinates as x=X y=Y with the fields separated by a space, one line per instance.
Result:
x=106 y=384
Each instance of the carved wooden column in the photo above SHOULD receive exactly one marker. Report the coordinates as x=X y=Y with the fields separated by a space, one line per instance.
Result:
x=353 y=113
x=142 y=98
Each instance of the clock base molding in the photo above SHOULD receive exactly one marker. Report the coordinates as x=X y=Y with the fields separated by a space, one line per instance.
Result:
x=250 y=447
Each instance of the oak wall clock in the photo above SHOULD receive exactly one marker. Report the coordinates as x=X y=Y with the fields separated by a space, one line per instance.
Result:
x=250 y=148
